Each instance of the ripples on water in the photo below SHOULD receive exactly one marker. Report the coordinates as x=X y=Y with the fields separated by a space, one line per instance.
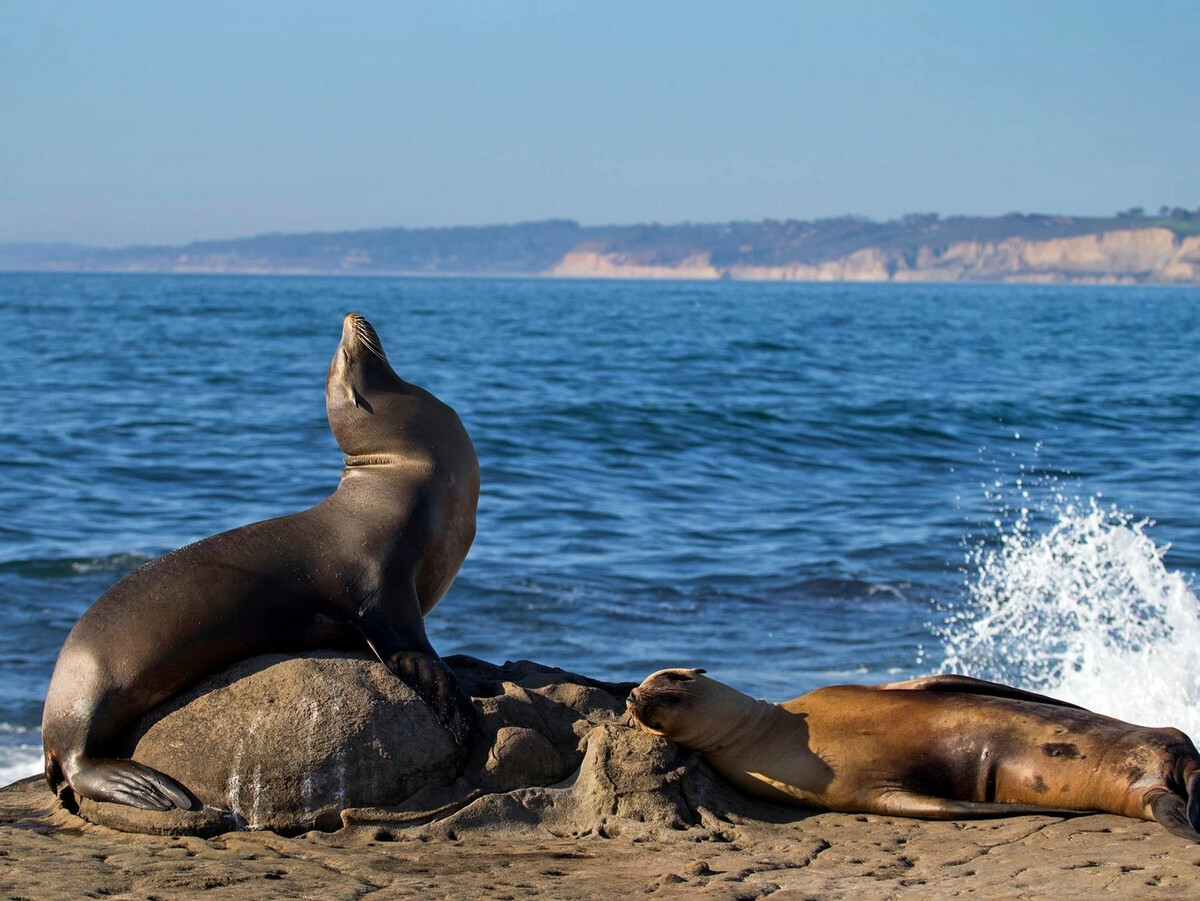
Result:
x=789 y=485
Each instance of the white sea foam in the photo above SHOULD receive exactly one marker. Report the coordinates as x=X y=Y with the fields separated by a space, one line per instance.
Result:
x=18 y=761
x=1085 y=610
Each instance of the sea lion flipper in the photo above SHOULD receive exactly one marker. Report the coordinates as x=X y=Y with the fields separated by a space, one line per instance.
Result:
x=128 y=782
x=1193 y=805
x=1178 y=814
x=1171 y=811
x=953 y=682
x=400 y=643
x=429 y=676
x=930 y=807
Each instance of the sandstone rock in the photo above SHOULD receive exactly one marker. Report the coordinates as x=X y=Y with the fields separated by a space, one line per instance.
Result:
x=521 y=757
x=291 y=743
x=285 y=743
x=1155 y=255
x=49 y=854
x=590 y=264
x=559 y=794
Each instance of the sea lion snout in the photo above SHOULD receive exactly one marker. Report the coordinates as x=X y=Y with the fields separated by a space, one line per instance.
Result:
x=359 y=388
x=349 y=322
x=633 y=703
x=651 y=703
x=357 y=332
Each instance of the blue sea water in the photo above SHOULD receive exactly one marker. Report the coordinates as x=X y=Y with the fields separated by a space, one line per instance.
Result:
x=789 y=485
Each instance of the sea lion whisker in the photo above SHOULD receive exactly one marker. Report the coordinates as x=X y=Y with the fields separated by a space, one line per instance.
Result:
x=369 y=338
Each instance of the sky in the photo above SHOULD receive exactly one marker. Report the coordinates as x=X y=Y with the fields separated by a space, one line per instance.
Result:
x=165 y=122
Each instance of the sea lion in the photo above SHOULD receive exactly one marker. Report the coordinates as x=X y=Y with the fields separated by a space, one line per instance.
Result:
x=942 y=747
x=366 y=564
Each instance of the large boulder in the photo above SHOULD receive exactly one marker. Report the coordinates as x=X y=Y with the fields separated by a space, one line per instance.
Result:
x=293 y=743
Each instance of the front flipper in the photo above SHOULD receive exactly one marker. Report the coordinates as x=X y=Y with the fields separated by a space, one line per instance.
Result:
x=396 y=634
x=929 y=807
x=1179 y=815
x=427 y=674
x=127 y=782
x=1171 y=811
x=952 y=682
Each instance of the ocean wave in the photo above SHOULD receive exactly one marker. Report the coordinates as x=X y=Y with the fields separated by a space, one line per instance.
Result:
x=1085 y=610
x=54 y=568
x=19 y=757
x=19 y=762
x=833 y=588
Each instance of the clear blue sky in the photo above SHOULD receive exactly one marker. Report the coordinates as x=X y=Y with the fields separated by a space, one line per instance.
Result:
x=161 y=122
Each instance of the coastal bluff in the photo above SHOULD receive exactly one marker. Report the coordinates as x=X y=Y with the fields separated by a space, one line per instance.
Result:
x=1125 y=256
x=321 y=779
x=1035 y=248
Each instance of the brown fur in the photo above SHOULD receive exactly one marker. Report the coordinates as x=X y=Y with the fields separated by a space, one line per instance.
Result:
x=361 y=567
x=942 y=748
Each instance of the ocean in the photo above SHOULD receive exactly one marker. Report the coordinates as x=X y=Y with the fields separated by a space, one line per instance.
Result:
x=789 y=485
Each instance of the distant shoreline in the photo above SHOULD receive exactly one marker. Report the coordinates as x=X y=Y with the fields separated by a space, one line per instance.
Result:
x=540 y=277
x=917 y=249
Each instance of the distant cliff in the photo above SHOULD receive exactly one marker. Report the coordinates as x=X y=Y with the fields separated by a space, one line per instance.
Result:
x=1125 y=256
x=1123 y=249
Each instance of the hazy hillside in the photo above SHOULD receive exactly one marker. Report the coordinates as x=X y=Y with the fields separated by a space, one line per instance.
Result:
x=1128 y=247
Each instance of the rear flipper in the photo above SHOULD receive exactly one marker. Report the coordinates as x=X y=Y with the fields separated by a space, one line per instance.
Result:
x=952 y=682
x=929 y=807
x=127 y=782
x=1177 y=815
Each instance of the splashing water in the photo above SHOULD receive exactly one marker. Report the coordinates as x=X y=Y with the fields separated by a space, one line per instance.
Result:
x=1087 y=612
x=20 y=753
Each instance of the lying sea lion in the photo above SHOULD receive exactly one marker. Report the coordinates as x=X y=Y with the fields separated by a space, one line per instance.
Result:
x=941 y=747
x=364 y=565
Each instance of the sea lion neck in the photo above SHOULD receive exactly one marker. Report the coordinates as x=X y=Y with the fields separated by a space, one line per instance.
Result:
x=745 y=723
x=389 y=463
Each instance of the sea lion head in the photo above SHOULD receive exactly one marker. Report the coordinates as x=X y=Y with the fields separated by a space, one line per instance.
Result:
x=363 y=394
x=674 y=703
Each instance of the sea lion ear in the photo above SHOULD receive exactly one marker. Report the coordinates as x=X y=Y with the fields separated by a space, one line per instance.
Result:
x=699 y=672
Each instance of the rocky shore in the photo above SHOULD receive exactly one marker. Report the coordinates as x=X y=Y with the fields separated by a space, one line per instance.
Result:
x=561 y=798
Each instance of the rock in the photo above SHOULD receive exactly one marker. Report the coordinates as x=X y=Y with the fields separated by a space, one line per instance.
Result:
x=521 y=757
x=297 y=743
x=560 y=794
x=286 y=743
x=627 y=780
x=49 y=854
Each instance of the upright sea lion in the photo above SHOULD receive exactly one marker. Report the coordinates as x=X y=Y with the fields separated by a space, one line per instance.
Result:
x=367 y=563
x=942 y=747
